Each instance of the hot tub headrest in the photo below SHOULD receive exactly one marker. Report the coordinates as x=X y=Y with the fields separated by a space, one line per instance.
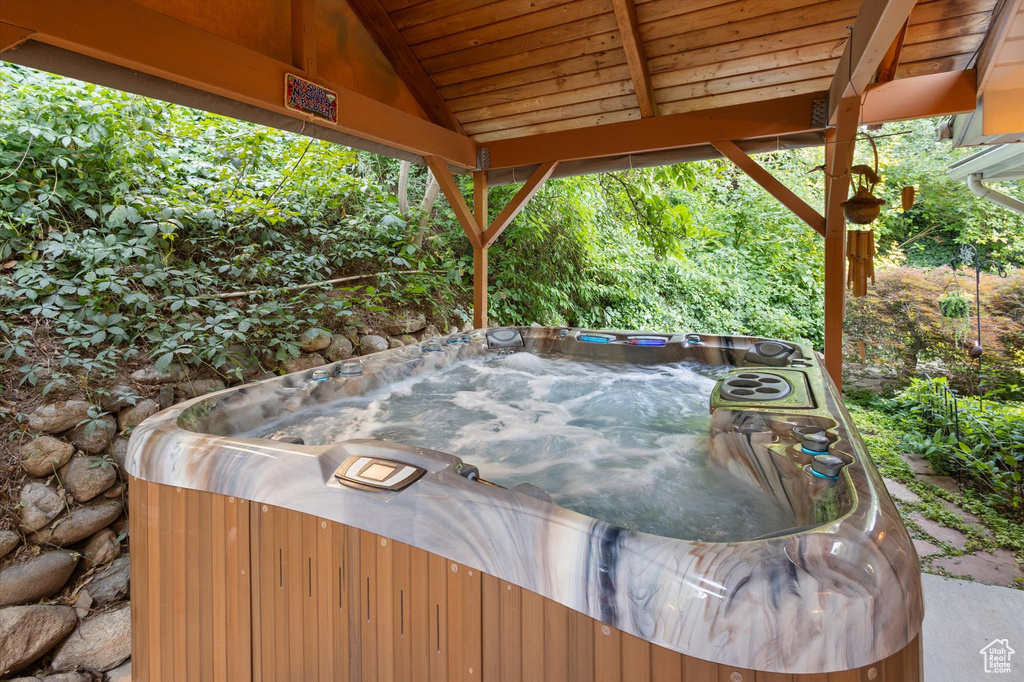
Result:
x=504 y=338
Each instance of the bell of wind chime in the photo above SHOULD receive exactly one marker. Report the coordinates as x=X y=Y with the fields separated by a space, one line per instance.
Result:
x=860 y=255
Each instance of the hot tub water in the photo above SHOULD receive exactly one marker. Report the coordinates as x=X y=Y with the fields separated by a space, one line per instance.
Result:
x=623 y=443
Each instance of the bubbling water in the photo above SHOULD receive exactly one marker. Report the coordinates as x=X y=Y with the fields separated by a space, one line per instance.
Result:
x=623 y=443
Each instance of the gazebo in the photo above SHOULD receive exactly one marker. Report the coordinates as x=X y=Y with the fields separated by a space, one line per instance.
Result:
x=519 y=91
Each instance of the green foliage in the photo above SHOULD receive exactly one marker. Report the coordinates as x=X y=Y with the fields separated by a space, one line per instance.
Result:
x=954 y=305
x=983 y=441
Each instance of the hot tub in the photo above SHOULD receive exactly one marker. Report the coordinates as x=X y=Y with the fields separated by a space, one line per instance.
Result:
x=522 y=504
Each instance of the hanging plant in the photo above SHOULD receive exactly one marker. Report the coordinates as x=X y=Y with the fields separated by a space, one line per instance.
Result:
x=863 y=207
x=954 y=305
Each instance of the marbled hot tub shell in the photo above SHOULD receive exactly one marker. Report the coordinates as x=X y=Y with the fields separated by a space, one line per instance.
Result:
x=253 y=560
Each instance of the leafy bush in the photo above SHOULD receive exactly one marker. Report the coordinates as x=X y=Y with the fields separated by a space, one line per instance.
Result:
x=983 y=442
x=954 y=305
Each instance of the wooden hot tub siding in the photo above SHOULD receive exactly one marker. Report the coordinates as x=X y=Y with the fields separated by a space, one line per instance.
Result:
x=226 y=589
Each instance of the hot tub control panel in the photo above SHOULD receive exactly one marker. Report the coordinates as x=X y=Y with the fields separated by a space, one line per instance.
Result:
x=376 y=473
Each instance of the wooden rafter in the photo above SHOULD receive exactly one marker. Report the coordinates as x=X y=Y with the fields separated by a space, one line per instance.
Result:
x=940 y=94
x=304 y=35
x=636 y=57
x=839 y=145
x=772 y=185
x=1000 y=29
x=11 y=36
x=451 y=191
x=129 y=35
x=891 y=60
x=377 y=21
x=874 y=31
x=745 y=121
x=519 y=201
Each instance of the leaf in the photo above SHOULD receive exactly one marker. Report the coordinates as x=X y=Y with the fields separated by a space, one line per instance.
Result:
x=163 y=362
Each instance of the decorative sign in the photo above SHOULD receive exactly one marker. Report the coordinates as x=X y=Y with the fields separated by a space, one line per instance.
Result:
x=302 y=95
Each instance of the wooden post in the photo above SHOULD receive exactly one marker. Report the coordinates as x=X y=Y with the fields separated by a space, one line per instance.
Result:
x=839 y=145
x=480 y=252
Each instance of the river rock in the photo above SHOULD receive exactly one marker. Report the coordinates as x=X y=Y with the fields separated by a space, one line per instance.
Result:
x=40 y=504
x=340 y=349
x=408 y=339
x=371 y=343
x=8 y=541
x=135 y=415
x=430 y=332
x=95 y=435
x=57 y=417
x=28 y=632
x=39 y=577
x=406 y=323
x=468 y=327
x=44 y=455
x=315 y=339
x=197 y=387
x=79 y=524
x=122 y=673
x=120 y=451
x=149 y=376
x=120 y=397
x=303 y=363
x=166 y=396
x=395 y=342
x=99 y=643
x=102 y=548
x=111 y=583
x=73 y=676
x=87 y=477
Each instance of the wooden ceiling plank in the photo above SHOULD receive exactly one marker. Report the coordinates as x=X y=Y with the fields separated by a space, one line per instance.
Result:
x=680 y=38
x=772 y=185
x=562 y=125
x=937 y=10
x=891 y=60
x=567 y=97
x=636 y=57
x=437 y=11
x=453 y=193
x=518 y=202
x=936 y=49
x=789 y=58
x=522 y=90
x=748 y=81
x=1001 y=28
x=753 y=47
x=128 y=35
x=375 y=19
x=956 y=62
x=594 y=48
x=576 y=71
x=655 y=10
x=569 y=111
x=777 y=13
x=727 y=99
x=941 y=94
x=947 y=28
x=516 y=45
x=873 y=32
x=398 y=5
x=520 y=24
x=11 y=36
x=752 y=120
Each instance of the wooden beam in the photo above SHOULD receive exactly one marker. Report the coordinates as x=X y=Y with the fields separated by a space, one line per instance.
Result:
x=875 y=29
x=940 y=94
x=480 y=264
x=838 y=159
x=636 y=57
x=772 y=185
x=451 y=190
x=11 y=36
x=377 y=21
x=891 y=60
x=745 y=121
x=517 y=203
x=129 y=35
x=304 y=35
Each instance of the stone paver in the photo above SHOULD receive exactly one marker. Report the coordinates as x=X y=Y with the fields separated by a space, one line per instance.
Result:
x=999 y=568
x=944 y=482
x=918 y=464
x=900 y=491
x=925 y=548
x=939 y=532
